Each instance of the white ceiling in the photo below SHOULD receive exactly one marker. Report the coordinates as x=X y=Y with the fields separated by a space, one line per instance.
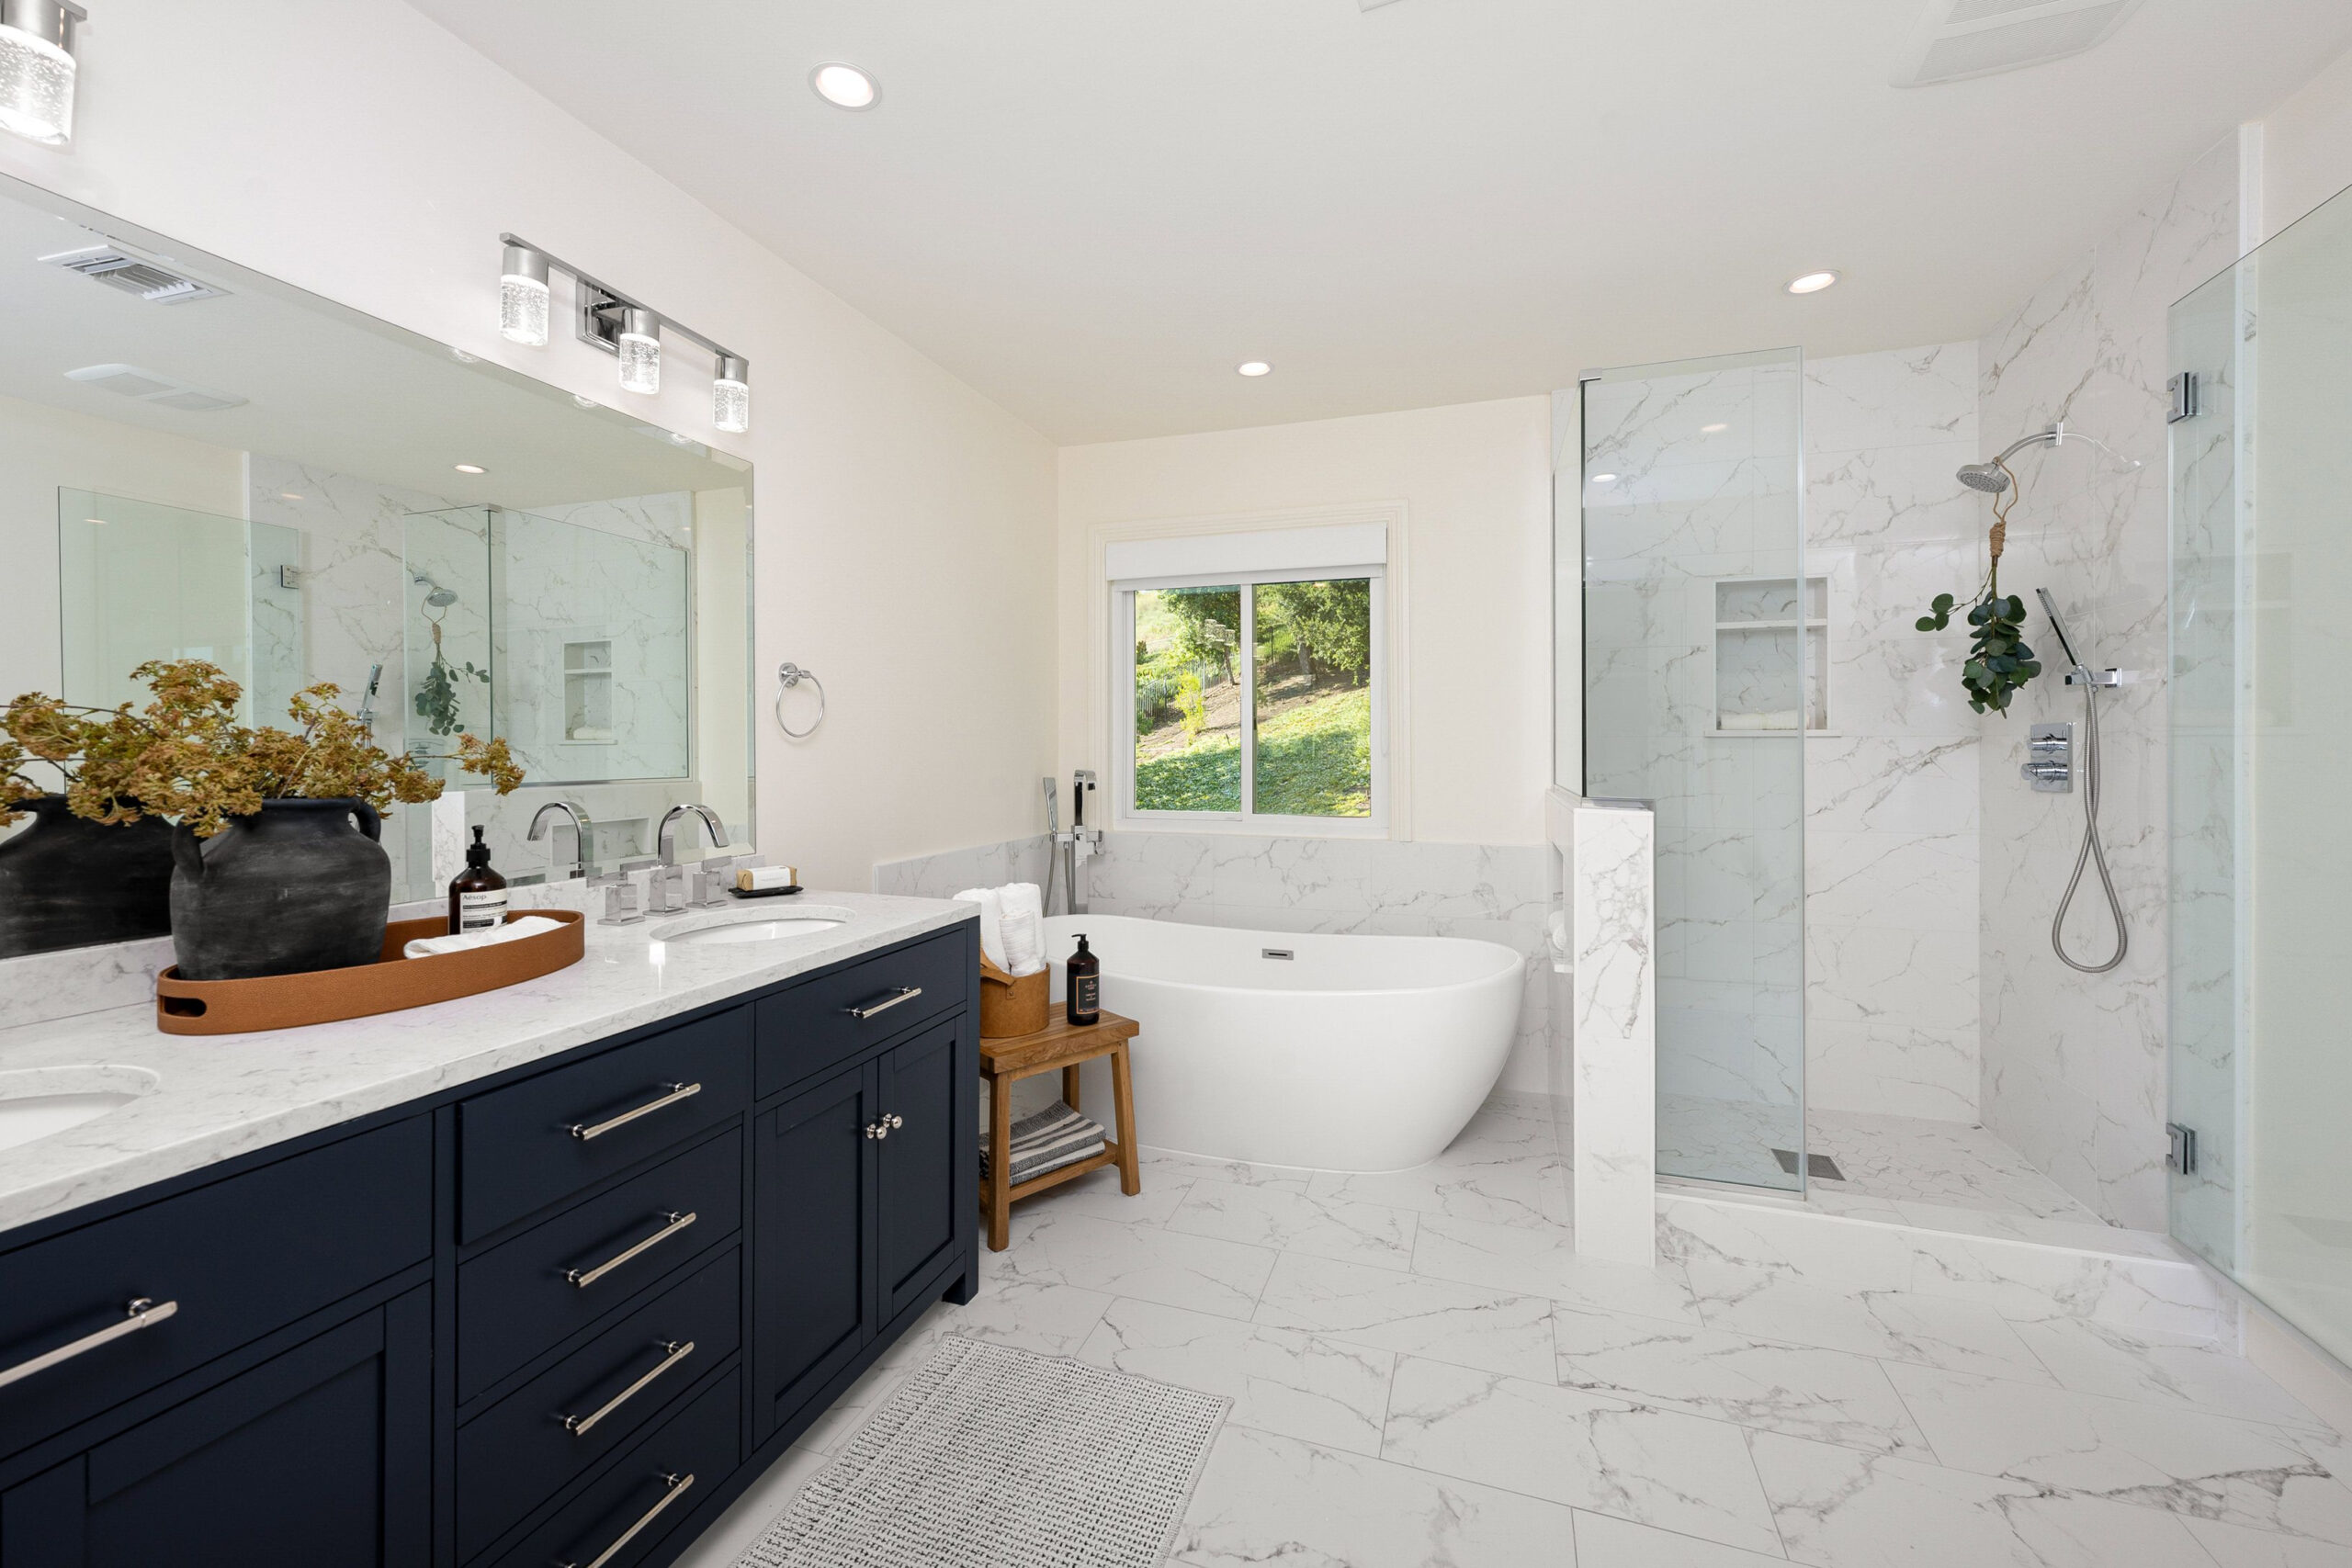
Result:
x=1093 y=210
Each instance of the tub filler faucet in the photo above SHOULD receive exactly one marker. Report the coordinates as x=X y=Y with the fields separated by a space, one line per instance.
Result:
x=1072 y=850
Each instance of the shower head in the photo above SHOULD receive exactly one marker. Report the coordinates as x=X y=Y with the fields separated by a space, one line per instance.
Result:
x=1993 y=478
x=1990 y=478
x=440 y=598
x=2050 y=608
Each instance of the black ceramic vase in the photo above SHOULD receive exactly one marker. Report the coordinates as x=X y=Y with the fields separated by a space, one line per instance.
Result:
x=66 y=881
x=291 y=888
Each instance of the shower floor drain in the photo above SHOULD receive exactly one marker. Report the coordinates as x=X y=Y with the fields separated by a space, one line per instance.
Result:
x=1819 y=1168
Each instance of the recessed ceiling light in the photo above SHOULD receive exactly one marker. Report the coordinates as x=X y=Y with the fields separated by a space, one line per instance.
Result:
x=1604 y=478
x=471 y=469
x=845 y=86
x=1812 y=282
x=1253 y=367
x=100 y=521
x=1713 y=429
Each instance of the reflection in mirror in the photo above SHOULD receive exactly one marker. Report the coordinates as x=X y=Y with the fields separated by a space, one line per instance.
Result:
x=242 y=473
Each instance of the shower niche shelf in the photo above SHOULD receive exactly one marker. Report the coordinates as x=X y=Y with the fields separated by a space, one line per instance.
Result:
x=588 y=693
x=1761 y=685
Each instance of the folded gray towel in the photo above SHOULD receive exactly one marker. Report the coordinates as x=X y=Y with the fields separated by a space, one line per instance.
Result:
x=1049 y=1140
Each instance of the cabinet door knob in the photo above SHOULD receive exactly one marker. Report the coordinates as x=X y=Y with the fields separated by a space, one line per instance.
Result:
x=878 y=1130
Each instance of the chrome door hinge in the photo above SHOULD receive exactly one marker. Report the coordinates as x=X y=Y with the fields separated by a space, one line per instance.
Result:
x=2187 y=397
x=2180 y=1154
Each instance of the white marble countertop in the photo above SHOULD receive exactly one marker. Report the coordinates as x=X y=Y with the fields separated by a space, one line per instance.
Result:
x=219 y=1096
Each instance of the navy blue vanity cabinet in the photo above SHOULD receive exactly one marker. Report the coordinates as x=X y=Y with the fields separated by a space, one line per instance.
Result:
x=813 y=1175
x=927 y=1092
x=322 y=1454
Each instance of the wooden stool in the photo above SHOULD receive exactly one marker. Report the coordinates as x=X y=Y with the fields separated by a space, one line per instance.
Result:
x=1062 y=1044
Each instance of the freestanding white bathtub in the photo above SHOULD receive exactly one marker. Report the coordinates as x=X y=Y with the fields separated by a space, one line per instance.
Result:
x=1337 y=1052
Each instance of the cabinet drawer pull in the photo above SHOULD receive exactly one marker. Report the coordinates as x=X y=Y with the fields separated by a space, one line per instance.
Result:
x=678 y=1091
x=903 y=994
x=584 y=1278
x=677 y=1484
x=581 y=1426
x=141 y=1313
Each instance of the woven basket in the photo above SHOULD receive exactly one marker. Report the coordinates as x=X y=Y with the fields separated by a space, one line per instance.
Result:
x=1011 y=1007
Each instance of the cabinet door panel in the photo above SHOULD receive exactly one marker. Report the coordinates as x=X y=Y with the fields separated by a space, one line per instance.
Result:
x=920 y=1219
x=318 y=1455
x=813 y=1166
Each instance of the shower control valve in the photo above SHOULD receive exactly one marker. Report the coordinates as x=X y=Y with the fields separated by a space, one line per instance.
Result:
x=2049 y=764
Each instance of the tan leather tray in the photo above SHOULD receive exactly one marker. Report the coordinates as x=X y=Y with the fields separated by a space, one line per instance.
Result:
x=388 y=985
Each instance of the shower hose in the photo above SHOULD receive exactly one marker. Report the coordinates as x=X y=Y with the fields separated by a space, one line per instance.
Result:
x=2090 y=853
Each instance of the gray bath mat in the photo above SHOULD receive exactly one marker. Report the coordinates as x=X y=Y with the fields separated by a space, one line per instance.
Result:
x=990 y=1456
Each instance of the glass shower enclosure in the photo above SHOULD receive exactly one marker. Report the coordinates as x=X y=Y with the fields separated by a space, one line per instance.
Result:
x=2261 y=731
x=1702 y=641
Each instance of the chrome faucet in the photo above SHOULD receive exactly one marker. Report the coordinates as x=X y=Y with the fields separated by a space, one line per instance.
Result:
x=669 y=876
x=1074 y=848
x=582 y=865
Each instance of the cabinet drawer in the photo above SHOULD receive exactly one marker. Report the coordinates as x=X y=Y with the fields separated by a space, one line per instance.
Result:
x=644 y=1496
x=815 y=1025
x=528 y=1446
x=521 y=1148
x=521 y=1296
x=235 y=1260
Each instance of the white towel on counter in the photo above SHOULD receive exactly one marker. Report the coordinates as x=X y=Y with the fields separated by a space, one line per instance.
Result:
x=1022 y=918
x=991 y=922
x=513 y=930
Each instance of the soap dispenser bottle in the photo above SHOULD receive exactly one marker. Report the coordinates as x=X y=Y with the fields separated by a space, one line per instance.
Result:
x=1083 y=1002
x=477 y=894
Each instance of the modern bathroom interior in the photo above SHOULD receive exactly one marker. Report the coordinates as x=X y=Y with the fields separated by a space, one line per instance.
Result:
x=1343 y=784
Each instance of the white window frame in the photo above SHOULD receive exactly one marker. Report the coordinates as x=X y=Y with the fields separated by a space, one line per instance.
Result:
x=1125 y=813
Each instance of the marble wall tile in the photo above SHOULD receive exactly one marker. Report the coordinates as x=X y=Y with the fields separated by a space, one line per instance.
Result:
x=1612 y=1031
x=2075 y=1068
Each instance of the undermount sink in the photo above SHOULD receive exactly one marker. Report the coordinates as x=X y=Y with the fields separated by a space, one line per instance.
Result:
x=36 y=1102
x=751 y=925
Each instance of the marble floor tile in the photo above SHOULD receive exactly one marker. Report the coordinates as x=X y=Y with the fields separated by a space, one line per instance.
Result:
x=1542 y=1261
x=2181 y=1462
x=1832 y=1396
x=1894 y=1324
x=731 y=1534
x=1325 y=1392
x=1472 y=1181
x=1654 y=1467
x=1267 y=1499
x=1606 y=1542
x=1097 y=1195
x=2236 y=1546
x=1469 y=1325
x=1166 y=1167
x=2091 y=1356
x=1147 y=1262
x=1294 y=1221
x=1839 y=1507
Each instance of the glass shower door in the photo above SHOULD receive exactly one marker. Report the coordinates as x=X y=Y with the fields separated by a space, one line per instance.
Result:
x=2262 y=739
x=1701 y=673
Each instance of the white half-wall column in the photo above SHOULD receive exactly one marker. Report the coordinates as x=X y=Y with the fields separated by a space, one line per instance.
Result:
x=1610 y=851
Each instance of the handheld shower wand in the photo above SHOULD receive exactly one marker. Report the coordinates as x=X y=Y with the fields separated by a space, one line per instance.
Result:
x=2091 y=851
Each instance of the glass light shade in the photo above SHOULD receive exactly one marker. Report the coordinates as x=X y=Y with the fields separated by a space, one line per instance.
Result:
x=36 y=87
x=640 y=363
x=523 y=310
x=731 y=405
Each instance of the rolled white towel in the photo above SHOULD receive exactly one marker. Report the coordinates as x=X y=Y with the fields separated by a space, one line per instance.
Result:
x=513 y=930
x=1023 y=920
x=991 y=922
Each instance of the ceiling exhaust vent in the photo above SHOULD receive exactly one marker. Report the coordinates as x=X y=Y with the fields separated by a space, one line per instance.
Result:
x=154 y=387
x=1959 y=38
x=117 y=268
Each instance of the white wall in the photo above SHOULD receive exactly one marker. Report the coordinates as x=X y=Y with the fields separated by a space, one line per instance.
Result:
x=2307 y=147
x=903 y=524
x=1475 y=482
x=43 y=449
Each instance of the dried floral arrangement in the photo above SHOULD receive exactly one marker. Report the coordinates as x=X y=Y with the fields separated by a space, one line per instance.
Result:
x=185 y=756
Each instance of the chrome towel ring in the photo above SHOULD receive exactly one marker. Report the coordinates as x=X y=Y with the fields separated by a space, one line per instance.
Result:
x=789 y=675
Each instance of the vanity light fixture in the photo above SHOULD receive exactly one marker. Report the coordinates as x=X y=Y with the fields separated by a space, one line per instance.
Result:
x=845 y=86
x=38 y=68
x=640 y=350
x=604 y=318
x=1812 y=282
x=730 y=395
x=522 y=298
x=1254 y=367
